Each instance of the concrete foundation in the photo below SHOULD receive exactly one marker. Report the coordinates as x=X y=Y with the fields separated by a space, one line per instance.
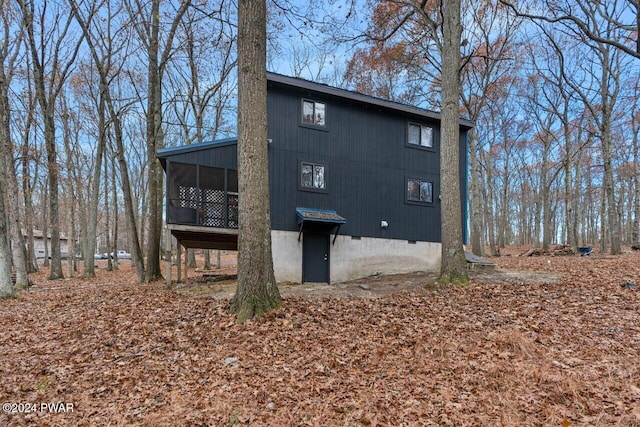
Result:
x=287 y=256
x=355 y=258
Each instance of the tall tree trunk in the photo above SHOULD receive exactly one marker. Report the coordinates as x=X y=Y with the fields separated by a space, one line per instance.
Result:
x=609 y=187
x=114 y=200
x=191 y=254
x=154 y=142
x=107 y=216
x=524 y=223
x=71 y=254
x=94 y=189
x=489 y=214
x=504 y=203
x=48 y=85
x=55 y=271
x=257 y=291
x=572 y=235
x=537 y=218
x=477 y=246
x=71 y=192
x=636 y=183
x=27 y=194
x=6 y=287
x=12 y=208
x=45 y=224
x=545 y=195
x=454 y=264
x=207 y=259
x=576 y=197
x=604 y=226
x=132 y=228
x=147 y=26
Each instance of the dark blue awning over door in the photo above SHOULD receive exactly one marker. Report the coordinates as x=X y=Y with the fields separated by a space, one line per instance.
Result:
x=326 y=217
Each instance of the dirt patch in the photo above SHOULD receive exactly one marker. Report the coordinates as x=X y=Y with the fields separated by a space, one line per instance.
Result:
x=368 y=287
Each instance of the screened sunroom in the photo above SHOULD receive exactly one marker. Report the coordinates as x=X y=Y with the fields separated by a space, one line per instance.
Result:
x=202 y=195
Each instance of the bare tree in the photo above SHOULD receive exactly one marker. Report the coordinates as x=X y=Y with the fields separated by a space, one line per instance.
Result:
x=9 y=51
x=104 y=51
x=24 y=120
x=579 y=15
x=635 y=128
x=147 y=23
x=454 y=264
x=52 y=60
x=6 y=287
x=487 y=76
x=257 y=292
x=429 y=35
x=605 y=69
x=202 y=83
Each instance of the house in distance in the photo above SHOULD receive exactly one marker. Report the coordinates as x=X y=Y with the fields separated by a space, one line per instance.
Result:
x=354 y=185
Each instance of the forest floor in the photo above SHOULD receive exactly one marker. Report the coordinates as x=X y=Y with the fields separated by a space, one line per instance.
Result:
x=540 y=341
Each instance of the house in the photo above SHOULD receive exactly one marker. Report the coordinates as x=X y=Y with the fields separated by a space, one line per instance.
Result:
x=39 y=242
x=354 y=185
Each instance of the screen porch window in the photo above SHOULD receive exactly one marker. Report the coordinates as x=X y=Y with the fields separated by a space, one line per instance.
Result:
x=313 y=113
x=313 y=176
x=202 y=195
x=420 y=135
x=419 y=190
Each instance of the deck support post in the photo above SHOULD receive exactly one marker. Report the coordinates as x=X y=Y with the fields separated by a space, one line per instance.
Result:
x=179 y=262
x=186 y=264
x=167 y=257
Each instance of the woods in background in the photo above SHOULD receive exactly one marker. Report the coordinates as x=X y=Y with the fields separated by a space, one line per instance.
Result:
x=87 y=97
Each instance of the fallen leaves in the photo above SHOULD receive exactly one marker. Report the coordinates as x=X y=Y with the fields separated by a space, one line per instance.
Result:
x=492 y=353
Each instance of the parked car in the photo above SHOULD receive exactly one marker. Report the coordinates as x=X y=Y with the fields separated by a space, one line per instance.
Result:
x=100 y=256
x=122 y=255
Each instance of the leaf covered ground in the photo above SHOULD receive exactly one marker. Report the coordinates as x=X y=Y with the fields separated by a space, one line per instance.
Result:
x=494 y=353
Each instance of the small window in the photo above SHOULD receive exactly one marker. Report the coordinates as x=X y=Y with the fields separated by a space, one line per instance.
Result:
x=420 y=135
x=420 y=191
x=313 y=113
x=313 y=176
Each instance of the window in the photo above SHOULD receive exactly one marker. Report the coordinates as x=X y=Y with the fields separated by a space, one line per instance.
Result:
x=419 y=190
x=420 y=135
x=313 y=113
x=313 y=176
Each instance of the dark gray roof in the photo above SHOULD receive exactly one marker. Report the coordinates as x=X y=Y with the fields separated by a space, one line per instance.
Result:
x=358 y=97
x=163 y=153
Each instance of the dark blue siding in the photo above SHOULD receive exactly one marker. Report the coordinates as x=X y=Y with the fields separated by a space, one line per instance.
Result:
x=367 y=163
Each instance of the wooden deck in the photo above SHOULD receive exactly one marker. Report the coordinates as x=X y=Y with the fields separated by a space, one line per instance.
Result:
x=202 y=237
x=197 y=237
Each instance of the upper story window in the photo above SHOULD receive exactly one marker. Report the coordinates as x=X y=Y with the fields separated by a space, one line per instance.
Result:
x=419 y=190
x=313 y=113
x=312 y=176
x=420 y=135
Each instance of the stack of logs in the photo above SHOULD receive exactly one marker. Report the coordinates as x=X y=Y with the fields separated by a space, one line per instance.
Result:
x=556 y=250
